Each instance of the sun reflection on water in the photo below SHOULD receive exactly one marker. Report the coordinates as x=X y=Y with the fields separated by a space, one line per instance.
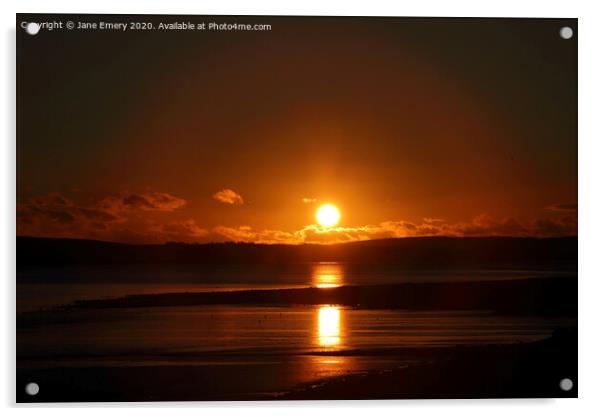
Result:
x=329 y=326
x=325 y=275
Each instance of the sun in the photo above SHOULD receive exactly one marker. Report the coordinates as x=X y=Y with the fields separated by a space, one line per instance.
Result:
x=328 y=215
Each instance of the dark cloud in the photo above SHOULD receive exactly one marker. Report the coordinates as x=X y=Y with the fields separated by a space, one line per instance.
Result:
x=484 y=225
x=555 y=227
x=249 y=235
x=183 y=231
x=111 y=218
x=150 y=201
x=94 y=214
x=51 y=199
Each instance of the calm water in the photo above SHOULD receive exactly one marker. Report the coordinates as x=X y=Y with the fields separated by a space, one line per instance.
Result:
x=279 y=342
x=277 y=348
x=81 y=283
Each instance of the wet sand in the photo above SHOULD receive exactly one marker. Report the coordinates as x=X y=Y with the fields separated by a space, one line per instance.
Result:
x=522 y=370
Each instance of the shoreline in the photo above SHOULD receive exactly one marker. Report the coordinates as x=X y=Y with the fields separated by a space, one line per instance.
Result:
x=534 y=296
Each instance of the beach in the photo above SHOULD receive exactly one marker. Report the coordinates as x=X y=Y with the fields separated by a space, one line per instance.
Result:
x=305 y=343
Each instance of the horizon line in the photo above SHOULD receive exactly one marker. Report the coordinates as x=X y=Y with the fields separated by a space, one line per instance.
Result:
x=165 y=243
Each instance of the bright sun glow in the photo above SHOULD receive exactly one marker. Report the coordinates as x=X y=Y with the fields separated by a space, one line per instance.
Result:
x=328 y=215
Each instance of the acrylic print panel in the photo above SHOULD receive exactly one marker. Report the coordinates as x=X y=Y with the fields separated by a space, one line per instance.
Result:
x=275 y=208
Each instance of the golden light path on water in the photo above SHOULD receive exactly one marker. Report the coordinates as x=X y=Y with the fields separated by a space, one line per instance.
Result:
x=325 y=275
x=328 y=275
x=329 y=326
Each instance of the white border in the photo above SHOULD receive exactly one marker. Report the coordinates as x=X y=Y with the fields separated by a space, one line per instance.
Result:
x=590 y=174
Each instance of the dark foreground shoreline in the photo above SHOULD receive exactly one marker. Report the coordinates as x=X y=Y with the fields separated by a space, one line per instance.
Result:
x=536 y=296
x=520 y=370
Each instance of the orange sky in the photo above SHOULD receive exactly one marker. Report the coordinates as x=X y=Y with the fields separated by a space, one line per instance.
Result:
x=411 y=127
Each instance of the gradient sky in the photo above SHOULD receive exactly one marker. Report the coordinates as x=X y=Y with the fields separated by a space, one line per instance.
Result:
x=410 y=126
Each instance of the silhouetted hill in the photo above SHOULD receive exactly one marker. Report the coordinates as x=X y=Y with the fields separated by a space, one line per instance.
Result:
x=416 y=253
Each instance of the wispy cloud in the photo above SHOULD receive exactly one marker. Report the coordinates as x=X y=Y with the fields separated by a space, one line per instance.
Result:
x=310 y=200
x=228 y=196
x=571 y=206
x=480 y=226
